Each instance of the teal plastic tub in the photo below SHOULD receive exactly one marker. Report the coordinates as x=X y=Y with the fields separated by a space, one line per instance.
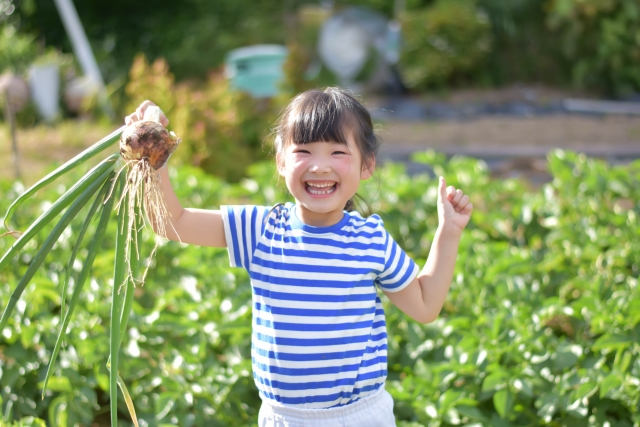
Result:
x=256 y=69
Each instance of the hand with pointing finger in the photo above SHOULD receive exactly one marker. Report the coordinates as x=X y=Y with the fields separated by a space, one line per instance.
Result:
x=454 y=207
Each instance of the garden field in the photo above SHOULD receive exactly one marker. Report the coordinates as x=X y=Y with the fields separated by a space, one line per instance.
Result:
x=541 y=326
x=542 y=323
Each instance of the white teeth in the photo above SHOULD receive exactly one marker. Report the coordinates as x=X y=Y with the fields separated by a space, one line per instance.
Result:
x=311 y=188
x=326 y=184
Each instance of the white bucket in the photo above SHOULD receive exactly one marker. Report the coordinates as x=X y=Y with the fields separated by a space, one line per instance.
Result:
x=44 y=81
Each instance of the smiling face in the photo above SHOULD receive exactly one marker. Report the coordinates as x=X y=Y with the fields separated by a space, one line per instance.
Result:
x=325 y=144
x=323 y=176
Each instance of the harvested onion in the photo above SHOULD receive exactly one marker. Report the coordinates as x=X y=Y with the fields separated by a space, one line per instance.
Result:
x=145 y=147
x=147 y=141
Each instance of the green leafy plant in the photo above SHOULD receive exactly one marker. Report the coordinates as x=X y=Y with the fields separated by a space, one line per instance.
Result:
x=18 y=50
x=218 y=122
x=103 y=185
x=25 y=422
x=444 y=43
x=542 y=322
x=601 y=40
x=541 y=326
x=212 y=363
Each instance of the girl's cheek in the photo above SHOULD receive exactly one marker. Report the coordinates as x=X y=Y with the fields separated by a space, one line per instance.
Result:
x=294 y=163
x=298 y=167
x=342 y=166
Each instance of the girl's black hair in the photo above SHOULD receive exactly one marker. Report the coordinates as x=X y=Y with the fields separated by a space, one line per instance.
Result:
x=326 y=116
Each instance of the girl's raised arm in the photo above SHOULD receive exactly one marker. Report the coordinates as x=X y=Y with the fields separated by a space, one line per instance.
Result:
x=195 y=226
x=202 y=227
x=423 y=299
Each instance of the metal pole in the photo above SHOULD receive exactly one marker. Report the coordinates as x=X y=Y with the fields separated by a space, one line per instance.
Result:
x=10 y=118
x=83 y=51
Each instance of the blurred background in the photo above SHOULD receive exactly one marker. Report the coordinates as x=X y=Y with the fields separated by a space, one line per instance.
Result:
x=531 y=106
x=505 y=81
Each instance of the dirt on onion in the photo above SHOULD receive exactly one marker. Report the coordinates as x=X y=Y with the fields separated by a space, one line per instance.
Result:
x=148 y=140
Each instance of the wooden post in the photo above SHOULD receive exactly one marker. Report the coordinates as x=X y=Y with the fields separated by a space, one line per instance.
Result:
x=10 y=118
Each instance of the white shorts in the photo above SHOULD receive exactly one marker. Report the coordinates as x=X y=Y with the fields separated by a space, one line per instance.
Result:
x=375 y=410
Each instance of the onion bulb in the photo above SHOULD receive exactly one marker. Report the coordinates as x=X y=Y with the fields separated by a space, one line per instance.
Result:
x=145 y=147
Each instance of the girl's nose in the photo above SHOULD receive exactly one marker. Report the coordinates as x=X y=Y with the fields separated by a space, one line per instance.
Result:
x=320 y=167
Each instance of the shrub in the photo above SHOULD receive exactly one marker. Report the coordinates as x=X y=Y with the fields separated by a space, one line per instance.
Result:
x=215 y=122
x=18 y=50
x=444 y=43
x=523 y=48
x=193 y=37
x=602 y=41
x=150 y=81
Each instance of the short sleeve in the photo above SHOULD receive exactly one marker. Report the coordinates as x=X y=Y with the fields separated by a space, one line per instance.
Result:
x=399 y=269
x=243 y=226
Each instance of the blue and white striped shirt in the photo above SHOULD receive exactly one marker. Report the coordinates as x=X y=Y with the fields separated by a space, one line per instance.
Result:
x=319 y=335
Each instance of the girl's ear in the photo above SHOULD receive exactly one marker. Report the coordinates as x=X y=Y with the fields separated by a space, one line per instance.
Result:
x=280 y=162
x=367 y=168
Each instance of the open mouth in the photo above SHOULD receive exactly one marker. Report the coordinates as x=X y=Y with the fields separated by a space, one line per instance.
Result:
x=321 y=188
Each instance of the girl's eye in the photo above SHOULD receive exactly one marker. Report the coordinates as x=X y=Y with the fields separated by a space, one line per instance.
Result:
x=301 y=151
x=339 y=152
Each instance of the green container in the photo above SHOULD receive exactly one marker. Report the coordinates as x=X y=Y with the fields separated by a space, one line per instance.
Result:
x=256 y=69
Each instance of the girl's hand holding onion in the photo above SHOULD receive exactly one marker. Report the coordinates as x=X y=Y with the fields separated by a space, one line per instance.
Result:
x=166 y=215
x=145 y=136
x=145 y=146
x=139 y=114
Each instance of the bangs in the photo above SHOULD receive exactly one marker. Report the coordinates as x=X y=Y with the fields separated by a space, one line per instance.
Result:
x=320 y=117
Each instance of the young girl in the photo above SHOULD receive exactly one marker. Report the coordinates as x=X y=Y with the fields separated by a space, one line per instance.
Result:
x=319 y=341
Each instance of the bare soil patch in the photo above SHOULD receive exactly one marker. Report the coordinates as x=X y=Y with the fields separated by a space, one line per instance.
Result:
x=512 y=145
x=43 y=147
x=598 y=136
